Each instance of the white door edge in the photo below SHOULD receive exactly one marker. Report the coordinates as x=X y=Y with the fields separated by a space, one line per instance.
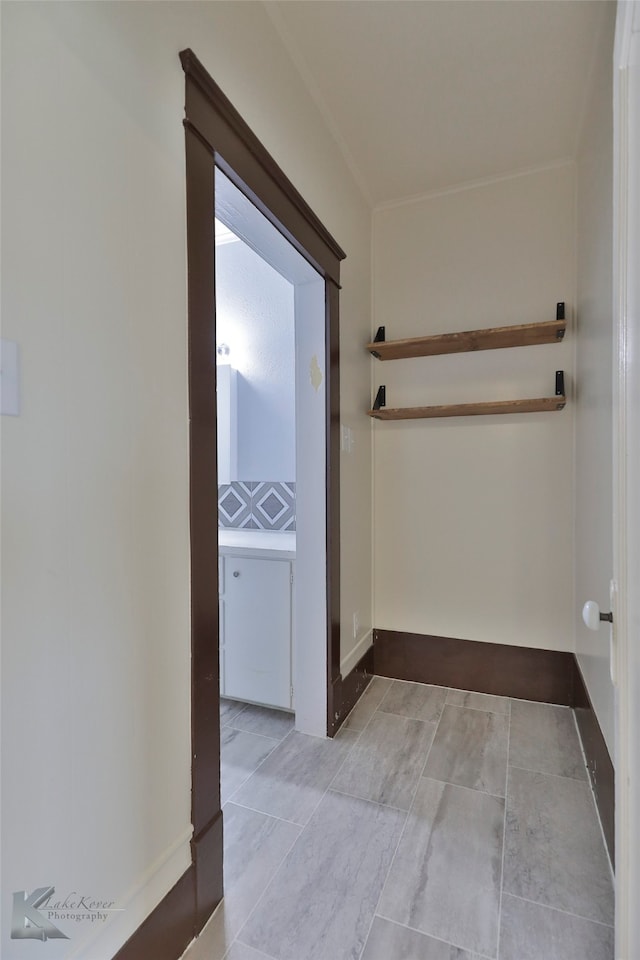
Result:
x=626 y=467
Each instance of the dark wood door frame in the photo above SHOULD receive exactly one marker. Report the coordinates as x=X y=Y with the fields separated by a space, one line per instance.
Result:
x=216 y=135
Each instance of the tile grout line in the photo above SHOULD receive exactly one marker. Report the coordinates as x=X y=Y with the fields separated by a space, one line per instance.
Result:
x=301 y=825
x=400 y=836
x=355 y=706
x=463 y=786
x=504 y=835
x=564 y=913
x=357 y=736
x=384 y=884
x=278 y=743
x=329 y=788
x=299 y=837
x=272 y=816
x=259 y=953
x=587 y=784
x=241 y=710
x=463 y=706
x=378 y=803
x=435 y=734
x=252 y=733
x=404 y=825
x=377 y=709
x=435 y=724
x=431 y=936
x=403 y=716
x=546 y=773
x=373 y=713
x=263 y=894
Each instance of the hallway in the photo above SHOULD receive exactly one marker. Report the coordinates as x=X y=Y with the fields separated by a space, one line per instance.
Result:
x=438 y=825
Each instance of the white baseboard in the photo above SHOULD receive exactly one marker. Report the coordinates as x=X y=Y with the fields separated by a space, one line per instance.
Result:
x=361 y=647
x=105 y=938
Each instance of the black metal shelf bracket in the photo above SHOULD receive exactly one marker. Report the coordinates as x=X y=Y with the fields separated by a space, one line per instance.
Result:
x=560 y=316
x=381 y=398
x=560 y=383
x=379 y=338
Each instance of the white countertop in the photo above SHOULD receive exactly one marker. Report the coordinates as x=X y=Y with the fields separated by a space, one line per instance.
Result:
x=254 y=541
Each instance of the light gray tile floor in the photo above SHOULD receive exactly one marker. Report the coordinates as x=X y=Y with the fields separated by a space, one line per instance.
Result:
x=386 y=762
x=368 y=703
x=479 y=701
x=323 y=899
x=470 y=749
x=392 y=941
x=241 y=754
x=398 y=841
x=544 y=739
x=263 y=720
x=293 y=780
x=230 y=709
x=553 y=847
x=530 y=930
x=416 y=700
x=445 y=878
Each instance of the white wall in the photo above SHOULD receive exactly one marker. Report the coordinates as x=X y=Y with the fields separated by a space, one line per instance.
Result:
x=96 y=751
x=309 y=594
x=255 y=318
x=593 y=484
x=473 y=516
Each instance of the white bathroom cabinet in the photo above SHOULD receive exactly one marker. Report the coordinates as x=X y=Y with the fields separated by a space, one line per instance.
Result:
x=256 y=625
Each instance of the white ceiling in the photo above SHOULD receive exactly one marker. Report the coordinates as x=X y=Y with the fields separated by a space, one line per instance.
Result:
x=423 y=95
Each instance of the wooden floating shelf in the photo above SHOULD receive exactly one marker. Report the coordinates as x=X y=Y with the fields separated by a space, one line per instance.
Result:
x=488 y=408
x=493 y=338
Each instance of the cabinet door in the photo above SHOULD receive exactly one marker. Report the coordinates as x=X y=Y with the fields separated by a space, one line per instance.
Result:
x=257 y=630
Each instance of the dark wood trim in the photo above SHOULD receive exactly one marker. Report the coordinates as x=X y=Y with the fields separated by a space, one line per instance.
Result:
x=168 y=930
x=349 y=689
x=332 y=399
x=216 y=135
x=205 y=717
x=206 y=816
x=207 y=856
x=599 y=765
x=522 y=672
x=244 y=158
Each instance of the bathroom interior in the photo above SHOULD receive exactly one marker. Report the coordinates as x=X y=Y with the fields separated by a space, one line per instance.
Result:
x=270 y=416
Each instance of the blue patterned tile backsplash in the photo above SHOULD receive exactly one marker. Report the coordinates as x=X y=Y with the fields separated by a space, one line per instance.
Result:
x=257 y=505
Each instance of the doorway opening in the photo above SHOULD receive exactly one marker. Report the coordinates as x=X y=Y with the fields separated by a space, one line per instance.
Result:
x=271 y=402
x=217 y=138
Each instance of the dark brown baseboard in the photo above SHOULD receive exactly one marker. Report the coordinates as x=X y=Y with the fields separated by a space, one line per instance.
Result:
x=168 y=930
x=525 y=673
x=599 y=765
x=181 y=914
x=522 y=672
x=207 y=852
x=348 y=690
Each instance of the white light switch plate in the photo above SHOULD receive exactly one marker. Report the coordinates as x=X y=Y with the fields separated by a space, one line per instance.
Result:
x=9 y=378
